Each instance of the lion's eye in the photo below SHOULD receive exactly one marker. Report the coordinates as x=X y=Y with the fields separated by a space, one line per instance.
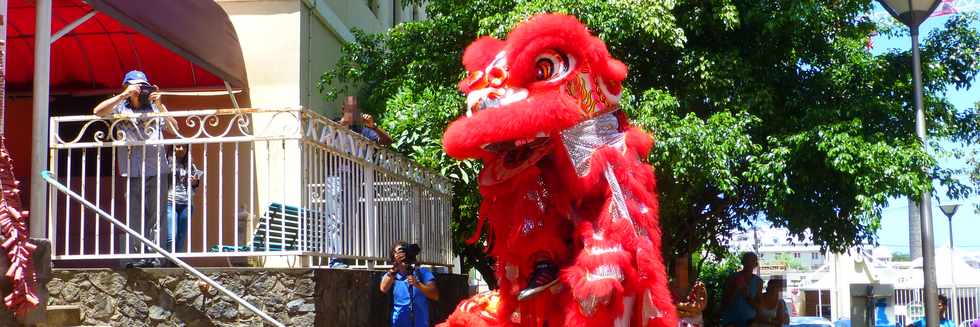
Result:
x=551 y=65
x=546 y=68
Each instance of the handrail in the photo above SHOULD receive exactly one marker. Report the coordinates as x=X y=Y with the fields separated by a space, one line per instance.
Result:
x=46 y=175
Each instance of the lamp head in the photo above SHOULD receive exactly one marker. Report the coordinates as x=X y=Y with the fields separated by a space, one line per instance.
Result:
x=949 y=210
x=910 y=12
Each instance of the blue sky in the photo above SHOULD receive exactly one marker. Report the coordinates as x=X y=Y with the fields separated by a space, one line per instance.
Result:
x=894 y=233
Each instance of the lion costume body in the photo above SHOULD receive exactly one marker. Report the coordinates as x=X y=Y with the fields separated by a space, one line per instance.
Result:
x=563 y=181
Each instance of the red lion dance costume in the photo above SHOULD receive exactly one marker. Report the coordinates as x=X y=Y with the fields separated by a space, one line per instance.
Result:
x=563 y=183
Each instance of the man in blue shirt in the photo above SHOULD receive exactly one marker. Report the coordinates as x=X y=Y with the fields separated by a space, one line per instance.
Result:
x=943 y=321
x=411 y=287
x=362 y=123
x=741 y=293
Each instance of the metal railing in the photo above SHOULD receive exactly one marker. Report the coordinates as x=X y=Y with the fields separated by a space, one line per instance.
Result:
x=910 y=302
x=180 y=263
x=263 y=182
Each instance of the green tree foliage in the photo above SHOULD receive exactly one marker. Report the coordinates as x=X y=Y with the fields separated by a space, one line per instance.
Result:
x=771 y=109
x=713 y=272
x=791 y=263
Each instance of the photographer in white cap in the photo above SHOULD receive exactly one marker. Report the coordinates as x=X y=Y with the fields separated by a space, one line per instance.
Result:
x=137 y=162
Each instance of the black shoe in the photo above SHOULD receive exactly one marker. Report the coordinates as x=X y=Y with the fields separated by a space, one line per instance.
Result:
x=544 y=276
x=144 y=263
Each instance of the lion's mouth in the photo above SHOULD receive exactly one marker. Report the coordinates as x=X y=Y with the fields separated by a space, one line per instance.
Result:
x=515 y=152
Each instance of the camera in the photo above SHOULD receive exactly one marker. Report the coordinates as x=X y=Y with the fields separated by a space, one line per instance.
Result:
x=411 y=252
x=145 y=91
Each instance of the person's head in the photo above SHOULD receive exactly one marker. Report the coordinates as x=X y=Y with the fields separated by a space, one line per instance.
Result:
x=180 y=151
x=350 y=111
x=139 y=79
x=749 y=261
x=943 y=304
x=411 y=251
x=775 y=285
x=394 y=250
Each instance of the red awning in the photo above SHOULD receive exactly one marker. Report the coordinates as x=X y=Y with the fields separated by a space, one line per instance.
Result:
x=179 y=44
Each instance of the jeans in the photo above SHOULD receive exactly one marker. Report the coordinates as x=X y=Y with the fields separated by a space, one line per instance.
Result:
x=177 y=214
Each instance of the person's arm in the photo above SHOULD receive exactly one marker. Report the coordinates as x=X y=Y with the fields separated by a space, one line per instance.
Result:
x=783 y=314
x=105 y=107
x=171 y=123
x=427 y=286
x=754 y=298
x=195 y=175
x=387 y=281
x=383 y=137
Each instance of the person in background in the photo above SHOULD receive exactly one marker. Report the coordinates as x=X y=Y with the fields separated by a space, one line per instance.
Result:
x=943 y=304
x=362 y=123
x=411 y=287
x=770 y=308
x=740 y=294
x=690 y=299
x=186 y=178
x=138 y=163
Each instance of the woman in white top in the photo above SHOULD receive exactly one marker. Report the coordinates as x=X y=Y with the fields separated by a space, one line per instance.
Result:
x=770 y=308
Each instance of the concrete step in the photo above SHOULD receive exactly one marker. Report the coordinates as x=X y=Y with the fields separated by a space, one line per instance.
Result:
x=63 y=316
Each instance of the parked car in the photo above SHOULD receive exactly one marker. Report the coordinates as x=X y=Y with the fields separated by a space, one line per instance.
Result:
x=809 y=321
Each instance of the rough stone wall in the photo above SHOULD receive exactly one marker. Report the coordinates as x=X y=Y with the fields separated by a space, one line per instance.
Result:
x=297 y=297
x=171 y=297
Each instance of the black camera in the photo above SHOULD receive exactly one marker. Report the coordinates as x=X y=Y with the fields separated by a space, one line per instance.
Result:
x=145 y=91
x=411 y=253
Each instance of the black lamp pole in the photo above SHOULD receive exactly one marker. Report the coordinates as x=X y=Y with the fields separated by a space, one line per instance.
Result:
x=912 y=13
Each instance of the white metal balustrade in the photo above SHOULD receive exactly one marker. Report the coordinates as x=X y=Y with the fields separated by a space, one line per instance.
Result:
x=272 y=182
x=911 y=305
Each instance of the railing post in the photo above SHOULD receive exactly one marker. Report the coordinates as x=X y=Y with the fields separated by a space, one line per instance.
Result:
x=39 y=146
x=371 y=213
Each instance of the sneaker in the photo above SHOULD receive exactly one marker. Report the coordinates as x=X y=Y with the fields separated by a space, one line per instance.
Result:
x=544 y=276
x=144 y=263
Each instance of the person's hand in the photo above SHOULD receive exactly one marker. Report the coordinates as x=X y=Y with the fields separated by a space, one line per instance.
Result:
x=133 y=90
x=155 y=96
x=399 y=257
x=368 y=121
x=412 y=280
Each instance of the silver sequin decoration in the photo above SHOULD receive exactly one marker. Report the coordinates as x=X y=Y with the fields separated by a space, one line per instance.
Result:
x=582 y=140
x=605 y=272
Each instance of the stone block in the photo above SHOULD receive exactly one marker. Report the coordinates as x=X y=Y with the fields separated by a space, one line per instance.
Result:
x=62 y=315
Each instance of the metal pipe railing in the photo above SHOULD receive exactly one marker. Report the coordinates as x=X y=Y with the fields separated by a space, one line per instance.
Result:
x=46 y=175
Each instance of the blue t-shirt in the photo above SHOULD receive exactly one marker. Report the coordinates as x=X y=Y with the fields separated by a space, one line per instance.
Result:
x=739 y=312
x=401 y=314
x=942 y=323
x=368 y=133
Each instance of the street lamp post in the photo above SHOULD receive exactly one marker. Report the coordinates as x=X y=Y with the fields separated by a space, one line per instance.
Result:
x=912 y=13
x=949 y=210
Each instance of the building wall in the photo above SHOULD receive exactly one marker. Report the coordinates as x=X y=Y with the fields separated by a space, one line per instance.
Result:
x=323 y=38
x=269 y=34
